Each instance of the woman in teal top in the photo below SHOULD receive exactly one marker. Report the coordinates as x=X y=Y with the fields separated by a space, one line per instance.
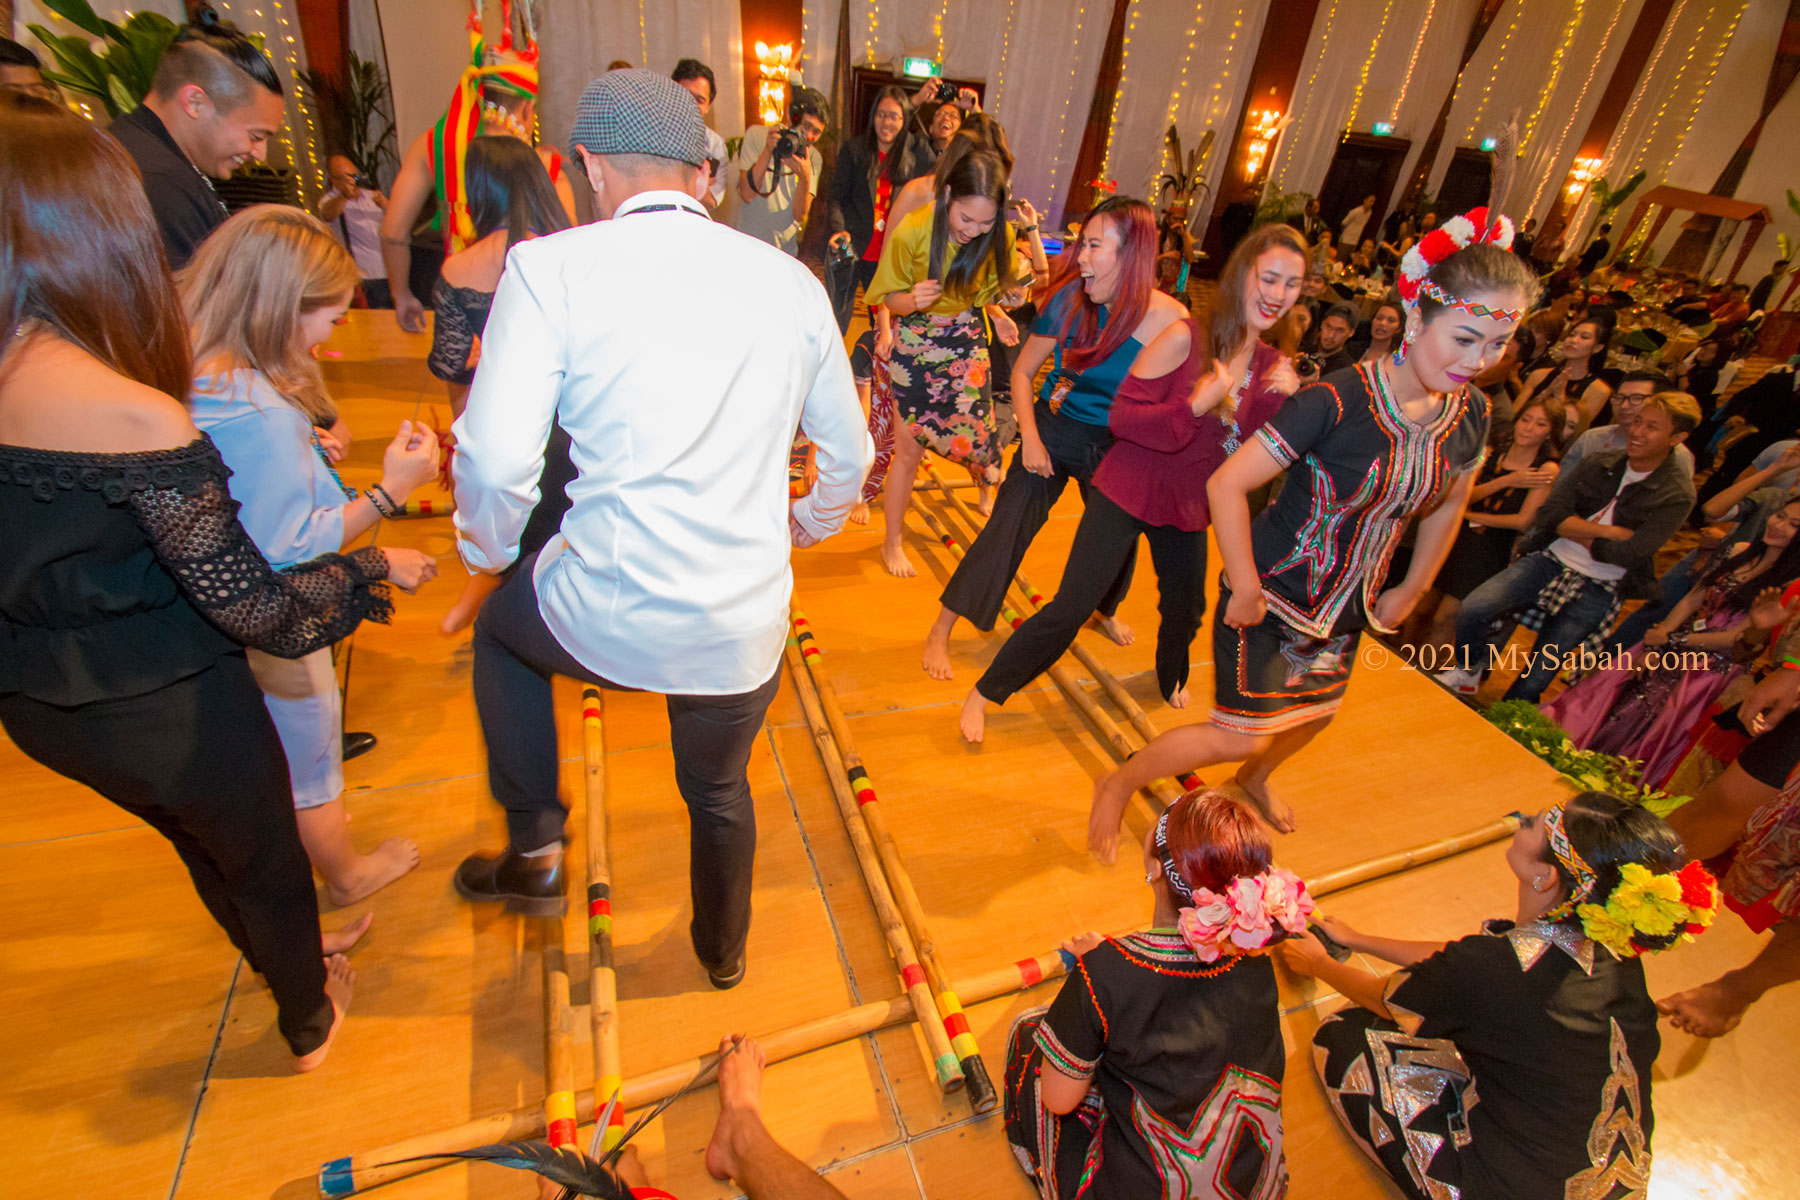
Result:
x=1102 y=309
x=940 y=269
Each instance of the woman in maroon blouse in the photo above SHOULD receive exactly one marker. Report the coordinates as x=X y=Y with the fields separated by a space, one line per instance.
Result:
x=1192 y=395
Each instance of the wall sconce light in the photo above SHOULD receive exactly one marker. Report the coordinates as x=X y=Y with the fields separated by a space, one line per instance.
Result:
x=773 y=64
x=1584 y=172
x=1264 y=124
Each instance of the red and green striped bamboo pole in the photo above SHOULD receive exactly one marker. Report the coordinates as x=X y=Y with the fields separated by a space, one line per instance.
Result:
x=559 y=1038
x=603 y=987
x=866 y=813
x=940 y=1051
x=1032 y=599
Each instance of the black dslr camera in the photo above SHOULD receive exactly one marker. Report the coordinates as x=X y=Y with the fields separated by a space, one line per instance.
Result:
x=945 y=92
x=788 y=143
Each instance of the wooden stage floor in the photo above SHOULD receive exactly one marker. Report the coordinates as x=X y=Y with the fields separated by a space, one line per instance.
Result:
x=144 y=1054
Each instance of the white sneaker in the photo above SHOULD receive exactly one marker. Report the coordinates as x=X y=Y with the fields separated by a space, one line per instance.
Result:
x=1458 y=682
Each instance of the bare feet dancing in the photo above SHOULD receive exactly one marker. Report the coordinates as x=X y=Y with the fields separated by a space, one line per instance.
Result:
x=340 y=985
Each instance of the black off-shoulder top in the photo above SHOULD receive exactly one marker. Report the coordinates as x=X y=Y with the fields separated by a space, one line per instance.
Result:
x=122 y=573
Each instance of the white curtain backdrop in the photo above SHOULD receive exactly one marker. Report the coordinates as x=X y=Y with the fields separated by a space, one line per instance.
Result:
x=1185 y=63
x=1548 y=143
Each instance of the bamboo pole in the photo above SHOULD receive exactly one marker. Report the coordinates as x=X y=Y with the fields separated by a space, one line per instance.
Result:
x=943 y=1054
x=359 y=1172
x=603 y=986
x=824 y=700
x=1108 y=730
x=1032 y=600
x=559 y=1037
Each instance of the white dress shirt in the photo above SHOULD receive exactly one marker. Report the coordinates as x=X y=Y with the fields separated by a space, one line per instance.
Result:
x=679 y=355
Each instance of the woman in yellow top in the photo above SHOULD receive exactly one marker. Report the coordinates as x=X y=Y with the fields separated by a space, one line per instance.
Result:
x=940 y=268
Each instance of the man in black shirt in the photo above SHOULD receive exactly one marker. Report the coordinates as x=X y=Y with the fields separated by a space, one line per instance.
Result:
x=1596 y=252
x=1759 y=295
x=215 y=103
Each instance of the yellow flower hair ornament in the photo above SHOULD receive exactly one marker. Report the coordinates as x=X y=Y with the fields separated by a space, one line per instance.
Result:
x=1646 y=908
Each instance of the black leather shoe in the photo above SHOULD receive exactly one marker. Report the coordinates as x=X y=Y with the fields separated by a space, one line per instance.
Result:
x=511 y=877
x=356 y=744
x=730 y=977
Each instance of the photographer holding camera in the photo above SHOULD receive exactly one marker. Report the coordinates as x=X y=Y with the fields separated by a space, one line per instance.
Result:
x=776 y=169
x=352 y=209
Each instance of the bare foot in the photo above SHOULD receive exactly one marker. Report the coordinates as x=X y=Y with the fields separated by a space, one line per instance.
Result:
x=340 y=941
x=340 y=983
x=984 y=503
x=1272 y=808
x=740 y=1105
x=937 y=656
x=1107 y=814
x=974 y=717
x=859 y=513
x=1115 y=629
x=1710 y=1010
x=897 y=564
x=1179 y=698
x=388 y=862
x=462 y=614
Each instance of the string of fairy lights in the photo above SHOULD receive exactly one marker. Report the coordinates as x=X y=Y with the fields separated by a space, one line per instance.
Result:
x=1062 y=122
x=937 y=27
x=1313 y=79
x=286 y=48
x=1557 y=59
x=1112 y=120
x=643 y=36
x=1487 y=88
x=1005 y=50
x=1712 y=72
x=871 y=29
x=1362 y=78
x=1576 y=110
x=1412 y=62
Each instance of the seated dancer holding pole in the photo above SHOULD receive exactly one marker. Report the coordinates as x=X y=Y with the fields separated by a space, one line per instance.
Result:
x=943 y=270
x=1101 y=311
x=669 y=573
x=1366 y=450
x=1176 y=419
x=1517 y=1061
x=1157 y=1069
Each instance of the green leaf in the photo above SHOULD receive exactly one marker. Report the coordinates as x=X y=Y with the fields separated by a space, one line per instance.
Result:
x=81 y=14
x=82 y=64
x=123 y=100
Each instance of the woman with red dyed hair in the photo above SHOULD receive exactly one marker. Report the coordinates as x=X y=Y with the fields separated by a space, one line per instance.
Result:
x=1157 y=1069
x=1101 y=310
x=1192 y=394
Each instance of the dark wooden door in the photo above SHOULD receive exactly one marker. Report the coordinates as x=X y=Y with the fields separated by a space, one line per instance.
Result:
x=1466 y=183
x=864 y=83
x=1363 y=164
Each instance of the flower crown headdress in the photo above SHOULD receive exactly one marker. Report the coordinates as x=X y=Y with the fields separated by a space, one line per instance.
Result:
x=1242 y=919
x=1645 y=905
x=1458 y=233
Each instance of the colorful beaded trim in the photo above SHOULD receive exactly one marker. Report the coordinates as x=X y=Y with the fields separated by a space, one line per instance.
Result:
x=1432 y=290
x=1571 y=859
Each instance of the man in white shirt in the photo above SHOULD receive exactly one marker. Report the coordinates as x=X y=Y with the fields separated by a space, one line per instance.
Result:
x=354 y=214
x=669 y=573
x=1351 y=231
x=698 y=79
x=775 y=195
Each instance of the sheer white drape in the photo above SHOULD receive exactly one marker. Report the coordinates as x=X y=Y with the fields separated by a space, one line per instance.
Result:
x=579 y=37
x=1548 y=144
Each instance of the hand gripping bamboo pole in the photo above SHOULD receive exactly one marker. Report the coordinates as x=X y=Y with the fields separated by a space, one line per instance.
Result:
x=359 y=1172
x=1108 y=729
x=1032 y=599
x=943 y=1054
x=866 y=811
x=603 y=986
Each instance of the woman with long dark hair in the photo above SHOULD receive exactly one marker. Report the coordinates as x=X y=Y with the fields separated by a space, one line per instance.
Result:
x=871 y=169
x=1648 y=710
x=941 y=269
x=1517 y=1061
x=1365 y=450
x=510 y=200
x=129 y=588
x=1579 y=381
x=1193 y=394
x=1384 y=332
x=1097 y=316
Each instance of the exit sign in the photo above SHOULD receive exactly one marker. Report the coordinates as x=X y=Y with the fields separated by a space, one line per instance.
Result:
x=1489 y=143
x=921 y=68
x=1383 y=128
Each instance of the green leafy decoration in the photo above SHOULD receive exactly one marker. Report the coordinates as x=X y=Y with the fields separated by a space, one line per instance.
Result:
x=120 y=76
x=1582 y=770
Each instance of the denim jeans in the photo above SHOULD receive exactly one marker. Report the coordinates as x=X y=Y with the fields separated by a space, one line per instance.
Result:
x=1670 y=589
x=1516 y=588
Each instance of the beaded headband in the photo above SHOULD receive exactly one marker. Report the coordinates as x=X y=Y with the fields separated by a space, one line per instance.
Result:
x=1176 y=883
x=1458 y=233
x=1571 y=860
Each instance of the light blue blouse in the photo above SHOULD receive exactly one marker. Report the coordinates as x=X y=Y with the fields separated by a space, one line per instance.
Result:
x=293 y=508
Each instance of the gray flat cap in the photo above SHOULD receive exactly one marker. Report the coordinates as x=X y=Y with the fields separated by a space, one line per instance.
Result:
x=632 y=111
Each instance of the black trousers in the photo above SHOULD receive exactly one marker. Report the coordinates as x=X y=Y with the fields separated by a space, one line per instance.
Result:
x=844 y=280
x=977 y=588
x=199 y=762
x=1106 y=538
x=712 y=736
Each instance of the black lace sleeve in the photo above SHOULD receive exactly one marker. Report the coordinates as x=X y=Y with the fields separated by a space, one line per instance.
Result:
x=458 y=315
x=192 y=524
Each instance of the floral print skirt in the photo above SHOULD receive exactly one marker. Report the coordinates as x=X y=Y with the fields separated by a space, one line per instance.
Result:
x=938 y=374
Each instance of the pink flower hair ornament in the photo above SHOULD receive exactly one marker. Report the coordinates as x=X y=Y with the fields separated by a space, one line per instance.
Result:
x=1252 y=913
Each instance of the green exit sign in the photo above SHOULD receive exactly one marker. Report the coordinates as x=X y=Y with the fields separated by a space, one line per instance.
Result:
x=921 y=68
x=1383 y=128
x=1489 y=143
